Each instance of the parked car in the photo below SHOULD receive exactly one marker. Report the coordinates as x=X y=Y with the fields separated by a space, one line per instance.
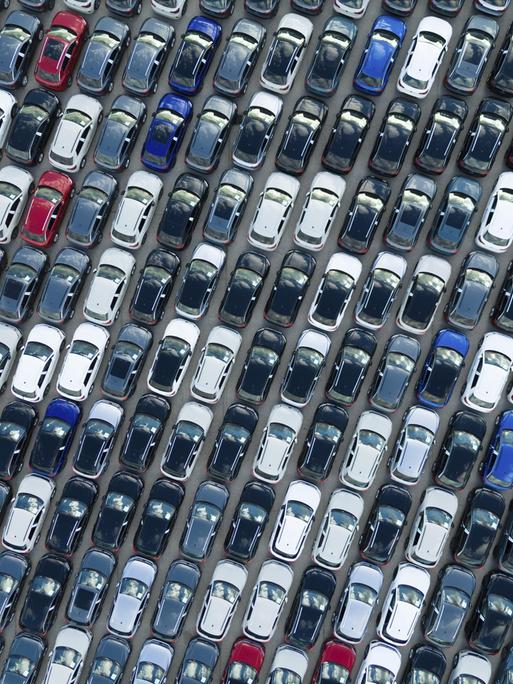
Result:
x=27 y=513
x=458 y=453
x=478 y=527
x=215 y=364
x=108 y=286
x=44 y=594
x=173 y=357
x=54 y=437
x=102 y=56
x=485 y=136
x=349 y=130
x=290 y=660
x=310 y=606
x=117 y=510
x=195 y=54
x=289 y=288
x=256 y=130
x=357 y=602
x=368 y=445
x=488 y=373
x=200 y=656
x=63 y=285
x=221 y=600
x=19 y=37
x=14 y=570
x=203 y=520
x=182 y=210
x=501 y=78
x=32 y=126
x=15 y=187
x=334 y=292
x=380 y=290
x=110 y=659
x=331 y=54
x=471 y=664
x=60 y=51
x=394 y=372
x=154 y=661
x=97 y=439
x=199 y=280
x=11 y=343
x=305 y=366
x=132 y=594
x=351 y=366
x=272 y=214
x=71 y=515
x=176 y=596
x=249 y=521
x=91 y=209
x=380 y=655
x=232 y=442
x=228 y=206
x=454 y=215
x=410 y=212
x=335 y=663
x=46 y=209
x=494 y=233
x=37 y=363
x=244 y=662
x=69 y=653
x=322 y=442
x=166 y=132
x=471 y=54
x=158 y=517
x=301 y=135
x=260 y=366
x=294 y=521
x=240 y=54
x=472 y=289
x=423 y=297
x=82 y=361
x=490 y=620
x=425 y=659
x=442 y=368
x=338 y=529
x=320 y=209
x=286 y=53
x=119 y=132
x=414 y=445
x=154 y=286
x=23 y=647
x=449 y=606
x=186 y=441
x=210 y=134
x=385 y=524
x=21 y=282
x=147 y=57
x=126 y=361
x=379 y=55
x=495 y=468
x=431 y=527
x=364 y=214
x=277 y=443
x=244 y=288
x=394 y=137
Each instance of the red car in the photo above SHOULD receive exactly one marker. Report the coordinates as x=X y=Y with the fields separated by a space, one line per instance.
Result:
x=335 y=663
x=244 y=663
x=47 y=208
x=61 y=49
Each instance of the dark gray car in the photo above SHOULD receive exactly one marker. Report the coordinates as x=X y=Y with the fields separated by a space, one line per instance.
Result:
x=102 y=56
x=449 y=605
x=204 y=520
x=119 y=133
x=410 y=212
x=471 y=54
x=239 y=57
x=472 y=289
x=63 y=285
x=210 y=134
x=90 y=586
x=148 y=56
x=109 y=661
x=126 y=361
x=394 y=372
x=228 y=206
x=13 y=571
x=198 y=663
x=91 y=209
x=23 y=659
x=175 y=598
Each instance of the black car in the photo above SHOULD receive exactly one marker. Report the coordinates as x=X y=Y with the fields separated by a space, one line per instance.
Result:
x=472 y=289
x=63 y=285
x=232 y=441
x=90 y=586
x=102 y=56
x=118 y=134
x=144 y=432
x=125 y=8
x=239 y=57
x=244 y=287
x=394 y=137
x=256 y=130
x=394 y=372
x=362 y=219
x=17 y=421
x=19 y=37
x=185 y=443
x=502 y=312
x=478 y=527
x=217 y=8
x=304 y=368
x=21 y=282
x=44 y=594
x=154 y=286
x=182 y=211
x=301 y=135
x=249 y=521
x=348 y=133
x=410 y=212
x=5 y=497
x=71 y=515
x=351 y=366
x=228 y=206
x=322 y=441
x=210 y=134
x=260 y=365
x=110 y=659
x=32 y=127
x=91 y=209
x=176 y=596
x=471 y=54
x=425 y=661
x=459 y=450
x=331 y=54
x=485 y=136
x=491 y=618
x=261 y=8
x=454 y=215
x=23 y=660
x=379 y=290
x=447 y=8
x=117 y=510
x=204 y=519
x=503 y=552
x=158 y=517
x=441 y=134
x=402 y=8
x=289 y=289
x=13 y=573
x=200 y=656
x=501 y=78
x=126 y=361
x=449 y=605
x=385 y=524
x=311 y=604
x=147 y=57
x=333 y=294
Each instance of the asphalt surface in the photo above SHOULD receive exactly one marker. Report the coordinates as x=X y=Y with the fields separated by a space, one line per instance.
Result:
x=199 y=474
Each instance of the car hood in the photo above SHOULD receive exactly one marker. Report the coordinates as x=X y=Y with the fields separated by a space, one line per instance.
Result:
x=262 y=620
x=377 y=59
x=335 y=545
x=19 y=528
x=169 y=616
x=32 y=368
x=83 y=216
x=11 y=49
x=469 y=302
x=448 y=622
x=413 y=458
x=112 y=139
x=128 y=216
x=205 y=140
x=38 y=214
x=100 y=295
x=355 y=619
x=363 y=464
x=489 y=382
x=423 y=60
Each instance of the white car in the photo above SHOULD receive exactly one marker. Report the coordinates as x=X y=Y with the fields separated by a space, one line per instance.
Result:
x=173 y=357
x=338 y=529
x=132 y=594
x=186 y=440
x=382 y=663
x=489 y=373
x=75 y=133
x=335 y=291
x=268 y=600
x=83 y=6
x=365 y=453
x=351 y=8
x=171 y=9
x=431 y=527
x=414 y=444
x=27 y=513
x=289 y=665
x=322 y=203
x=136 y=210
x=380 y=290
x=216 y=363
x=403 y=604
x=273 y=211
x=423 y=297
x=495 y=231
x=469 y=666
x=221 y=600
x=294 y=521
x=199 y=280
x=8 y=109
x=264 y=108
x=305 y=366
x=427 y=50
x=10 y=341
x=108 y=286
x=278 y=441
x=68 y=655
x=82 y=361
x=37 y=363
x=153 y=662
x=358 y=599
x=286 y=52
x=15 y=187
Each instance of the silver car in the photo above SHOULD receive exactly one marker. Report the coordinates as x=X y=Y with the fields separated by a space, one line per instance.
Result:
x=357 y=601
x=132 y=594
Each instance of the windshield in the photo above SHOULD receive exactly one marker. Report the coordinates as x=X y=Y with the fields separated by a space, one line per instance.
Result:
x=313 y=599
x=493 y=358
x=28 y=502
x=204 y=511
x=363 y=594
x=133 y=587
x=177 y=592
x=119 y=502
x=225 y=591
x=297 y=509
x=271 y=592
x=391 y=515
x=219 y=352
x=38 y=350
x=371 y=439
x=72 y=507
x=438 y=517
x=409 y=595
x=150 y=672
x=92 y=578
x=19 y=665
x=105 y=667
x=252 y=512
x=454 y=597
x=67 y=657
x=160 y=509
x=419 y=434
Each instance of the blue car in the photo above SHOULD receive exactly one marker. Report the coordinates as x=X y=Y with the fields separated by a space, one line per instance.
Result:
x=166 y=132
x=194 y=56
x=54 y=437
x=383 y=45
x=442 y=368
x=497 y=466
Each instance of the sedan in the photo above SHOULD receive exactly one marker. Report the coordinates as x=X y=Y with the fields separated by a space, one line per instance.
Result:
x=228 y=206
x=364 y=214
x=210 y=134
x=177 y=593
x=147 y=57
x=357 y=601
x=154 y=286
x=126 y=361
x=478 y=527
x=13 y=571
x=495 y=233
x=322 y=442
x=132 y=594
x=310 y=607
x=239 y=57
x=203 y=520
x=37 y=363
x=82 y=362
x=108 y=286
x=63 y=285
x=194 y=55
x=27 y=513
x=423 y=297
x=221 y=600
x=331 y=54
x=71 y=515
x=182 y=211
x=385 y=524
x=380 y=290
x=349 y=130
x=91 y=209
x=305 y=366
x=244 y=287
x=458 y=453
x=471 y=290
x=414 y=445
x=158 y=517
x=485 y=136
x=338 y=529
x=249 y=521
x=44 y=594
x=153 y=662
x=320 y=209
x=136 y=210
x=97 y=439
x=334 y=293
x=286 y=53
x=300 y=136
x=60 y=51
x=21 y=282
x=394 y=372
x=379 y=54
x=488 y=373
x=117 y=511
x=471 y=55
x=109 y=662
x=256 y=130
x=199 y=281
x=173 y=357
x=166 y=132
x=351 y=366
x=394 y=137
x=244 y=662
x=54 y=437
x=199 y=660
x=260 y=366
x=32 y=126
x=19 y=36
x=491 y=619
x=454 y=215
x=295 y=520
x=442 y=368
x=268 y=600
x=186 y=441
x=232 y=442
x=46 y=209
x=449 y=605
x=24 y=659
x=68 y=656
x=441 y=134
x=367 y=448
x=15 y=187
x=277 y=443
x=119 y=132
x=410 y=212
x=289 y=288
x=272 y=214
x=215 y=364
x=102 y=56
